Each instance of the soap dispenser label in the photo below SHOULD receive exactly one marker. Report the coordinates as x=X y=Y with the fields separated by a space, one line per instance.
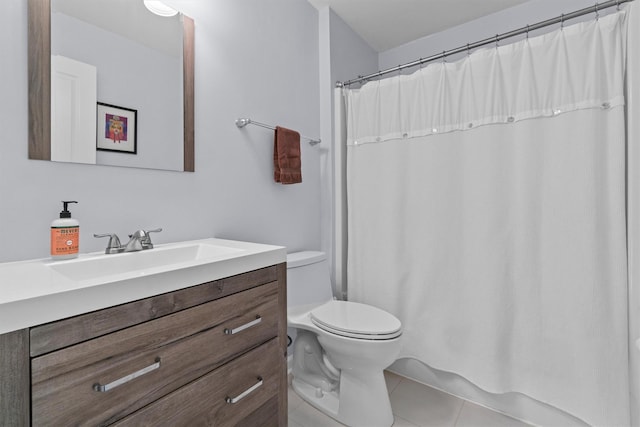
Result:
x=64 y=240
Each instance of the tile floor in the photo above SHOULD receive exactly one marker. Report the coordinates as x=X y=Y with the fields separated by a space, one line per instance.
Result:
x=414 y=405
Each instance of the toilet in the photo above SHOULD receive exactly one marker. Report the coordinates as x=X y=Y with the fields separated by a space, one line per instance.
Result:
x=340 y=348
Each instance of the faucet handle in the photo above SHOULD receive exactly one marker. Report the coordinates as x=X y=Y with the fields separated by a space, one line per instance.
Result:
x=114 y=246
x=147 y=240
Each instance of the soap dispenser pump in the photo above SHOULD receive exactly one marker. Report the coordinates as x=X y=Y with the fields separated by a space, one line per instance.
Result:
x=65 y=235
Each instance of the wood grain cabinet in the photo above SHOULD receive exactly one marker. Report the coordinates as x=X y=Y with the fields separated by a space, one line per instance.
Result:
x=210 y=355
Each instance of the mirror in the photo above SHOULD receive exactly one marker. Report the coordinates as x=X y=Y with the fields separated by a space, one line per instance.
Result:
x=134 y=74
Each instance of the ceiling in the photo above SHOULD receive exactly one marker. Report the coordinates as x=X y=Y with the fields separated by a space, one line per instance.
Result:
x=386 y=24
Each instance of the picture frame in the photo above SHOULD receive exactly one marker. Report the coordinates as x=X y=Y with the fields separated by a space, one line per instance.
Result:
x=117 y=129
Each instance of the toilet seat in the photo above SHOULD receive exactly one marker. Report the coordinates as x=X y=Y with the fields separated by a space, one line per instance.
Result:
x=355 y=320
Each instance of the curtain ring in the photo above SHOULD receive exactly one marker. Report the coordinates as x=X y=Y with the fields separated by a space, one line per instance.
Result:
x=527 y=31
x=597 y=12
x=444 y=56
x=496 y=41
x=420 y=64
x=562 y=21
x=618 y=5
x=468 y=50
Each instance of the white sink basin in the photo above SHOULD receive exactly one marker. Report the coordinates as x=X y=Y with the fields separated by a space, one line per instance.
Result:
x=141 y=262
x=34 y=292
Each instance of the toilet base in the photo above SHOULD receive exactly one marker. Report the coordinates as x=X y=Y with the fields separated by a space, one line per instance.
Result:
x=326 y=402
x=347 y=406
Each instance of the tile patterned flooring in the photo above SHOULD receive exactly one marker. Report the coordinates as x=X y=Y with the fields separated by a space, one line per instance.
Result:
x=413 y=405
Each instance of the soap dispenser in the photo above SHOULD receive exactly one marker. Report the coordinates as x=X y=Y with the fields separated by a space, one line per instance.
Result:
x=65 y=235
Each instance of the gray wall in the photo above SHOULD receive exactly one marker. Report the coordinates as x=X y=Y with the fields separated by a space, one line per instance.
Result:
x=254 y=58
x=350 y=54
x=343 y=54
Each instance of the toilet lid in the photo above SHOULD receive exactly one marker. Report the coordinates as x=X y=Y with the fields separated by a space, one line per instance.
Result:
x=355 y=320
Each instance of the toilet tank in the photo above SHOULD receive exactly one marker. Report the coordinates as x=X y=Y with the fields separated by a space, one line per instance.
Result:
x=308 y=278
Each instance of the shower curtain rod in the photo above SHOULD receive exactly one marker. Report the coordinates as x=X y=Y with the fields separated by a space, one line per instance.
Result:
x=498 y=37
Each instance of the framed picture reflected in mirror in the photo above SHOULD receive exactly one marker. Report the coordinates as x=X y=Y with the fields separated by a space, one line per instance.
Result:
x=116 y=129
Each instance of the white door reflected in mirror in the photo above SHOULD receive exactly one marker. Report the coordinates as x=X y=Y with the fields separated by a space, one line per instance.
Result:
x=73 y=100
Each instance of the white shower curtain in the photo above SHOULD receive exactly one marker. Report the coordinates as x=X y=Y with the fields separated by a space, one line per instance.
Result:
x=486 y=210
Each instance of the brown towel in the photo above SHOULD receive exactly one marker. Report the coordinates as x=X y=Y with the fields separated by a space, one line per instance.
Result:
x=286 y=156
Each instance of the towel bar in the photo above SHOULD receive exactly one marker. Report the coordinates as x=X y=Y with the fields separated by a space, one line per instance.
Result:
x=242 y=122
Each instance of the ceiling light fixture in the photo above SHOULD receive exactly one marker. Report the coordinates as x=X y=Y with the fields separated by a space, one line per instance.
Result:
x=159 y=8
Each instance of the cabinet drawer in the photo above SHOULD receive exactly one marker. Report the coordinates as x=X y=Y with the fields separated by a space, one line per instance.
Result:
x=102 y=380
x=222 y=398
x=64 y=333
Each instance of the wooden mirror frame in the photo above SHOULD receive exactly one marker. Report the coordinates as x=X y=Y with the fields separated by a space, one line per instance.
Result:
x=39 y=69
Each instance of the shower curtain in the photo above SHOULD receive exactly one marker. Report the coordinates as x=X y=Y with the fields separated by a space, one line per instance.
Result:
x=487 y=211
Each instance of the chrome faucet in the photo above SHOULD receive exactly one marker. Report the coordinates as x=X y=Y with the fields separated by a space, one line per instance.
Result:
x=138 y=241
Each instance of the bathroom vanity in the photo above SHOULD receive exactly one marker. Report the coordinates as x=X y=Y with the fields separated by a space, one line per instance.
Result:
x=193 y=334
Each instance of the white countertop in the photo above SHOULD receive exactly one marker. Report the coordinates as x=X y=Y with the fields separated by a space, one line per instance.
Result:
x=34 y=292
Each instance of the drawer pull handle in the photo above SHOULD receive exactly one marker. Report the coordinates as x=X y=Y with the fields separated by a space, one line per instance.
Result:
x=244 y=393
x=104 y=388
x=228 y=331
